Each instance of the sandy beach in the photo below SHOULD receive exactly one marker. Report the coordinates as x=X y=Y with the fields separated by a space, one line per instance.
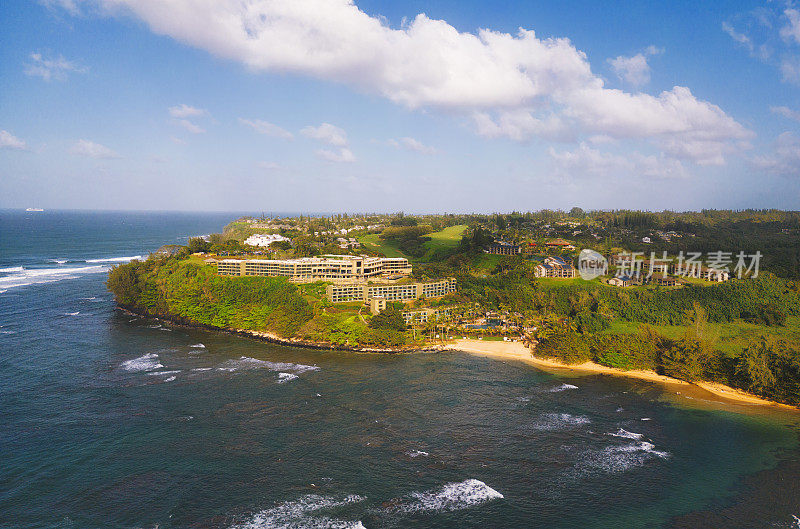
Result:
x=519 y=352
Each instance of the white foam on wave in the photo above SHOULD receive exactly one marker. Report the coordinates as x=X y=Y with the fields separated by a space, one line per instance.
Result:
x=58 y=261
x=614 y=459
x=202 y=369
x=12 y=269
x=36 y=276
x=286 y=377
x=173 y=372
x=72 y=313
x=8 y=332
x=305 y=512
x=170 y=379
x=246 y=363
x=114 y=259
x=562 y=387
x=417 y=453
x=146 y=362
x=197 y=346
x=559 y=421
x=626 y=434
x=450 y=497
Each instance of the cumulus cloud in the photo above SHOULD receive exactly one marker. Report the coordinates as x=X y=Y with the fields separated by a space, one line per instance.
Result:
x=181 y=114
x=586 y=161
x=785 y=158
x=190 y=127
x=786 y=112
x=412 y=144
x=9 y=141
x=92 y=150
x=634 y=70
x=776 y=47
x=51 y=68
x=791 y=31
x=327 y=133
x=517 y=86
x=266 y=128
x=343 y=155
x=183 y=111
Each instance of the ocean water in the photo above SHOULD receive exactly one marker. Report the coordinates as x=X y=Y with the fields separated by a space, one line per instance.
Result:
x=114 y=421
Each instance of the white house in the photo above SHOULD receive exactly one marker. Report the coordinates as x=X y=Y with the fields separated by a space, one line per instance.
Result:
x=265 y=240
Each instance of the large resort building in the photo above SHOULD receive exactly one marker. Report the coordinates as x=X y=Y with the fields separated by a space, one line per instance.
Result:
x=325 y=268
x=554 y=267
x=390 y=292
x=354 y=277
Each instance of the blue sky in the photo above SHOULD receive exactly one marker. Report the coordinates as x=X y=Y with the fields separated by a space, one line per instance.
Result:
x=326 y=105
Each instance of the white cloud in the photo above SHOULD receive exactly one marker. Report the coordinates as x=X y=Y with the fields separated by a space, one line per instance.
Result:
x=785 y=158
x=92 y=150
x=266 y=128
x=183 y=111
x=634 y=70
x=412 y=144
x=269 y=166
x=343 y=156
x=191 y=127
x=517 y=86
x=786 y=112
x=49 y=69
x=790 y=69
x=586 y=161
x=791 y=31
x=327 y=133
x=741 y=38
x=9 y=141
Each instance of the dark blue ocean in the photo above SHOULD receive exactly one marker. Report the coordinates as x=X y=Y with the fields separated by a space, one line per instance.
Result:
x=113 y=421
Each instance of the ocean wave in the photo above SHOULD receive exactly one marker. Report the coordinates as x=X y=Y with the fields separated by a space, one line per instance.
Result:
x=12 y=269
x=559 y=421
x=286 y=377
x=417 y=453
x=245 y=363
x=626 y=434
x=58 y=261
x=146 y=362
x=197 y=346
x=305 y=512
x=35 y=276
x=615 y=459
x=72 y=313
x=170 y=379
x=174 y=372
x=114 y=259
x=562 y=387
x=450 y=497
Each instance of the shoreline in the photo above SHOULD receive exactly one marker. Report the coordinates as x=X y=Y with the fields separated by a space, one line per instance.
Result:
x=519 y=352
x=491 y=349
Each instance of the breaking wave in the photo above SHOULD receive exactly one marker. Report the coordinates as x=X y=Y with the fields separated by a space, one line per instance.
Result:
x=559 y=421
x=21 y=277
x=146 y=362
x=197 y=346
x=626 y=434
x=451 y=497
x=614 y=459
x=562 y=387
x=245 y=363
x=286 y=377
x=307 y=512
x=114 y=259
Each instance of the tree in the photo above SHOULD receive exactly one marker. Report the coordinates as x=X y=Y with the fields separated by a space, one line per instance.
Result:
x=388 y=319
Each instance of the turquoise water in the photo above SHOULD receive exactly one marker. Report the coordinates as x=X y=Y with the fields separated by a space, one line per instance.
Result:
x=113 y=421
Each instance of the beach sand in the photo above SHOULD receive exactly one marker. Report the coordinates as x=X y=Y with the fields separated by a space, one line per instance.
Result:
x=519 y=352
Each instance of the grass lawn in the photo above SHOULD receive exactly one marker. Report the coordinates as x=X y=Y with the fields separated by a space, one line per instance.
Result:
x=732 y=336
x=449 y=237
x=374 y=243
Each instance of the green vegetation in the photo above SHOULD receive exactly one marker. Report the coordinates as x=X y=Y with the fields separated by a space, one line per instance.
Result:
x=183 y=290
